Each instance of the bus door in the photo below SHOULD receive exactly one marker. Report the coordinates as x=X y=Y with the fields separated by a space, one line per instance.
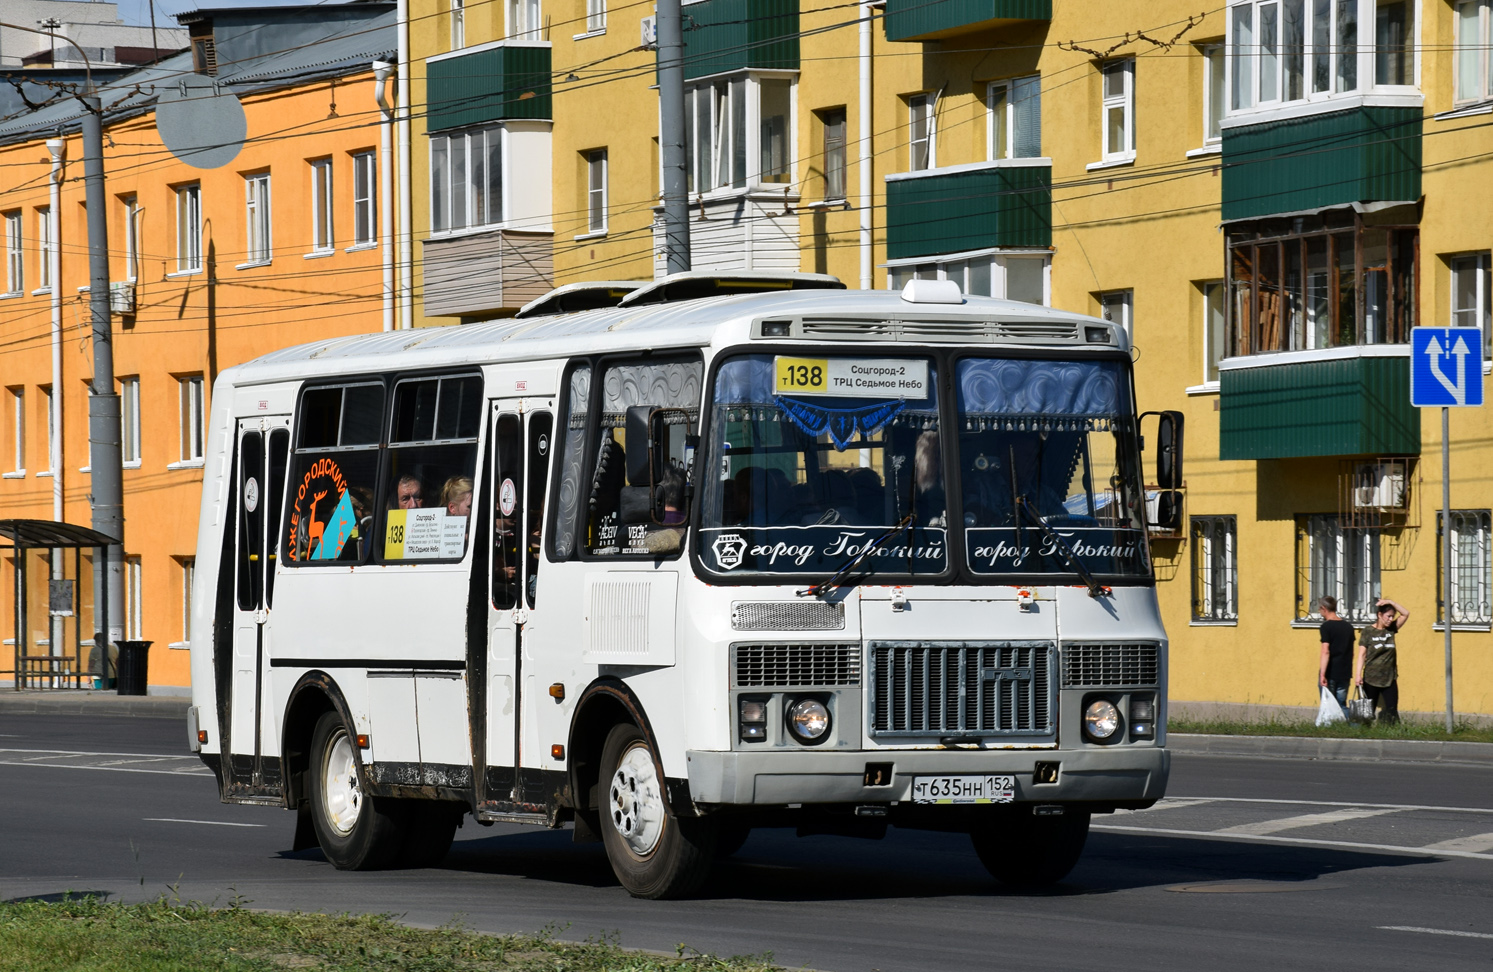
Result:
x=263 y=449
x=521 y=438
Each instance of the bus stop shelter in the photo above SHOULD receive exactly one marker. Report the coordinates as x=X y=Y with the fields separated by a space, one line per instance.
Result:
x=57 y=667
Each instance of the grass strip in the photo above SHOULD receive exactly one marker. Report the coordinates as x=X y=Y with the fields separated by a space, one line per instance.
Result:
x=1462 y=731
x=74 y=935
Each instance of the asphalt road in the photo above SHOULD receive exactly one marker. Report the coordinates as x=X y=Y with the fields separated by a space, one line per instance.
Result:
x=1250 y=863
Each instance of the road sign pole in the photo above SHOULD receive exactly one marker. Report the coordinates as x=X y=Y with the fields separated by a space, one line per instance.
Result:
x=1446 y=554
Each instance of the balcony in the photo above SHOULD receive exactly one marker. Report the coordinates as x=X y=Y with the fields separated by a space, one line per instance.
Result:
x=501 y=81
x=722 y=36
x=1339 y=402
x=969 y=207
x=921 y=20
x=1308 y=162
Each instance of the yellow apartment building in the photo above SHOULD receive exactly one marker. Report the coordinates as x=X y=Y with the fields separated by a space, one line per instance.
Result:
x=218 y=255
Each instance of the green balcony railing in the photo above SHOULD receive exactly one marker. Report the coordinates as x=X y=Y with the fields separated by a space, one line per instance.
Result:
x=917 y=20
x=497 y=82
x=721 y=36
x=969 y=208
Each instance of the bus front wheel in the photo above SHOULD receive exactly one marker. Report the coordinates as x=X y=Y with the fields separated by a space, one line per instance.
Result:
x=356 y=831
x=1027 y=851
x=653 y=854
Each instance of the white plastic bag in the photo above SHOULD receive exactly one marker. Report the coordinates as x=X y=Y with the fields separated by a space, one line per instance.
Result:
x=1329 y=711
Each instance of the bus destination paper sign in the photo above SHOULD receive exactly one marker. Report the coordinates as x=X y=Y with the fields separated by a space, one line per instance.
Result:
x=852 y=377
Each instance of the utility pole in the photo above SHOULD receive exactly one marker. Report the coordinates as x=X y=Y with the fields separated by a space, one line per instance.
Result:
x=671 y=135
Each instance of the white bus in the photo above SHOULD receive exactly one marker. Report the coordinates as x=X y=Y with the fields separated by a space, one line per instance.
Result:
x=671 y=570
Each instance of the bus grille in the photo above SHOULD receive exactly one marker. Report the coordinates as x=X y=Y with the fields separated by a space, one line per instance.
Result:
x=962 y=688
x=788 y=666
x=787 y=616
x=1092 y=666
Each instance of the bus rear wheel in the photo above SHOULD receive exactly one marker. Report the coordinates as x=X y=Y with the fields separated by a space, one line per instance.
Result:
x=1027 y=851
x=356 y=831
x=653 y=854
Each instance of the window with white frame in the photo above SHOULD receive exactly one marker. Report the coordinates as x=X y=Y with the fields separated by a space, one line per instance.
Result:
x=1332 y=560
x=257 y=218
x=15 y=257
x=131 y=206
x=523 y=18
x=833 y=121
x=1213 y=91
x=921 y=149
x=365 y=199
x=134 y=600
x=1013 y=115
x=715 y=134
x=596 y=16
x=596 y=191
x=44 y=248
x=1115 y=306
x=1215 y=327
x=188 y=573
x=190 y=397
x=985 y=274
x=1471 y=600
x=458 y=24
x=1119 y=110
x=49 y=404
x=129 y=420
x=321 y=206
x=1472 y=296
x=774 y=132
x=17 y=403
x=1215 y=569
x=1473 y=56
x=1283 y=51
x=466 y=179
x=188 y=228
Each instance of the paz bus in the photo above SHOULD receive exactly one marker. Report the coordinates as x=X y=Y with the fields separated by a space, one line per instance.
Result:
x=722 y=553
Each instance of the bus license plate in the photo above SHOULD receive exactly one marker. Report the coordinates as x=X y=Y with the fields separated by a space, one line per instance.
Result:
x=963 y=789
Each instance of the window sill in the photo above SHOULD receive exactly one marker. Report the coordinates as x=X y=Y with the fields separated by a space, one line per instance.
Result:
x=44 y=474
x=85 y=469
x=1206 y=388
x=1215 y=149
x=252 y=264
x=839 y=203
x=10 y=294
x=598 y=234
x=1484 y=107
x=1438 y=626
x=174 y=273
x=41 y=291
x=318 y=254
x=1200 y=623
x=1403 y=98
x=131 y=464
x=1268 y=358
x=1035 y=161
x=589 y=34
x=1111 y=163
x=17 y=474
x=359 y=247
x=185 y=464
x=180 y=645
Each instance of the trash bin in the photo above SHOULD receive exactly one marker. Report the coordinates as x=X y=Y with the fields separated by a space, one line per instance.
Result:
x=134 y=664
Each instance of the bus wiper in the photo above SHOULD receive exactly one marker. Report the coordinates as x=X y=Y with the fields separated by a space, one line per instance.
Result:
x=816 y=590
x=1025 y=505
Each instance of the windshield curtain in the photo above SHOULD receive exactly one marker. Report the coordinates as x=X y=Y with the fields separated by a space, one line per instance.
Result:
x=1048 y=442
x=802 y=481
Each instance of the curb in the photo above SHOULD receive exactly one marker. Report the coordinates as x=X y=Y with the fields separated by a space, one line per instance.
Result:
x=1313 y=747
x=94 y=704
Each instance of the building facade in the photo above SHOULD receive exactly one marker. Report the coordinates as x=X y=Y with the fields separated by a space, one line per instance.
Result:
x=217 y=255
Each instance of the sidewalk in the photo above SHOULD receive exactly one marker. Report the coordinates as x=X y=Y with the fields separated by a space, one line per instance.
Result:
x=89 y=703
x=1312 y=747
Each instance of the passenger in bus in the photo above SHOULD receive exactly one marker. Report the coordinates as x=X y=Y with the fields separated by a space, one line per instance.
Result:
x=409 y=494
x=456 y=496
x=671 y=496
x=929 y=501
x=362 y=501
x=870 y=504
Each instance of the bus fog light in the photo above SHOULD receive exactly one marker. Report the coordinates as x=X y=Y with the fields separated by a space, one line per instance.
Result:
x=808 y=719
x=753 y=720
x=1101 y=719
x=1141 y=710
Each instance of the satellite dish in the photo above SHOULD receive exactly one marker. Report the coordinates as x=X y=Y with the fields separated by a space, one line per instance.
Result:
x=201 y=122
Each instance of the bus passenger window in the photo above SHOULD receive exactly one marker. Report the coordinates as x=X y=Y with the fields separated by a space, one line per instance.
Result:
x=251 y=521
x=541 y=430
x=626 y=517
x=570 y=497
x=506 y=502
x=432 y=459
x=333 y=475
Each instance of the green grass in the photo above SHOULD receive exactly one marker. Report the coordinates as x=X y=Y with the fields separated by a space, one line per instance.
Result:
x=1463 y=731
x=85 y=935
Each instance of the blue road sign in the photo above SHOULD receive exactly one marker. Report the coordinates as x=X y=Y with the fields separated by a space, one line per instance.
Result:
x=1446 y=367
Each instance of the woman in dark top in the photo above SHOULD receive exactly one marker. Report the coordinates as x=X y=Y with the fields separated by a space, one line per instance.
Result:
x=1335 y=668
x=1377 y=672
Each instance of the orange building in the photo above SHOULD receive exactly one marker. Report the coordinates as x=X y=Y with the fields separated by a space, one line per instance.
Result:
x=277 y=241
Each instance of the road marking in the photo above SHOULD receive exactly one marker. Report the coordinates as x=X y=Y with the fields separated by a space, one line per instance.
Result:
x=192 y=771
x=1304 y=841
x=1303 y=820
x=77 y=752
x=1433 y=931
x=1335 y=803
x=1477 y=843
x=212 y=823
x=1170 y=803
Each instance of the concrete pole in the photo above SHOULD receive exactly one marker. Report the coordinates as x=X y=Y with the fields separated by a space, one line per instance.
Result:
x=381 y=72
x=671 y=136
x=864 y=123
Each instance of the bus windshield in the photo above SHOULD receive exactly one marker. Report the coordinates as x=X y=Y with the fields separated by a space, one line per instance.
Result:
x=809 y=460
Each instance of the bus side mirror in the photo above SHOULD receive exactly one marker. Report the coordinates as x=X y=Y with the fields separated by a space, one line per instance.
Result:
x=639 y=444
x=1169 y=450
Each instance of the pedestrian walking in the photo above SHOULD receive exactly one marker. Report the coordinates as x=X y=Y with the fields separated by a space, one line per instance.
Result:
x=1377 y=670
x=1335 y=667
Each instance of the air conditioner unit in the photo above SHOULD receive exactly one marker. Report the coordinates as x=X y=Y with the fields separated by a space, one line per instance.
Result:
x=1379 y=485
x=649 y=32
x=122 y=297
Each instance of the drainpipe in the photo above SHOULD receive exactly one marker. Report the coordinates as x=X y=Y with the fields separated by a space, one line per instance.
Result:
x=406 y=207
x=864 y=123
x=381 y=72
x=56 y=148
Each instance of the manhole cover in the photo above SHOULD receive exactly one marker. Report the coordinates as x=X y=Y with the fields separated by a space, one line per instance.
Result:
x=1249 y=887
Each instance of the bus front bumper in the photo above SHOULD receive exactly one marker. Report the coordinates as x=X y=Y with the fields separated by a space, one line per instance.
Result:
x=1116 y=775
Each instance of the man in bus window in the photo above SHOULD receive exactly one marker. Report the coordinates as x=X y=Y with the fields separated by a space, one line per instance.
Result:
x=409 y=495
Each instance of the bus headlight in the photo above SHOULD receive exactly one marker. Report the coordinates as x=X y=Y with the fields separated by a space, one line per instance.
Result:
x=1101 y=719
x=808 y=720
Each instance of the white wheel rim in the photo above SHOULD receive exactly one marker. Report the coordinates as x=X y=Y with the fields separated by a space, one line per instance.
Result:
x=637 y=801
x=339 y=785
